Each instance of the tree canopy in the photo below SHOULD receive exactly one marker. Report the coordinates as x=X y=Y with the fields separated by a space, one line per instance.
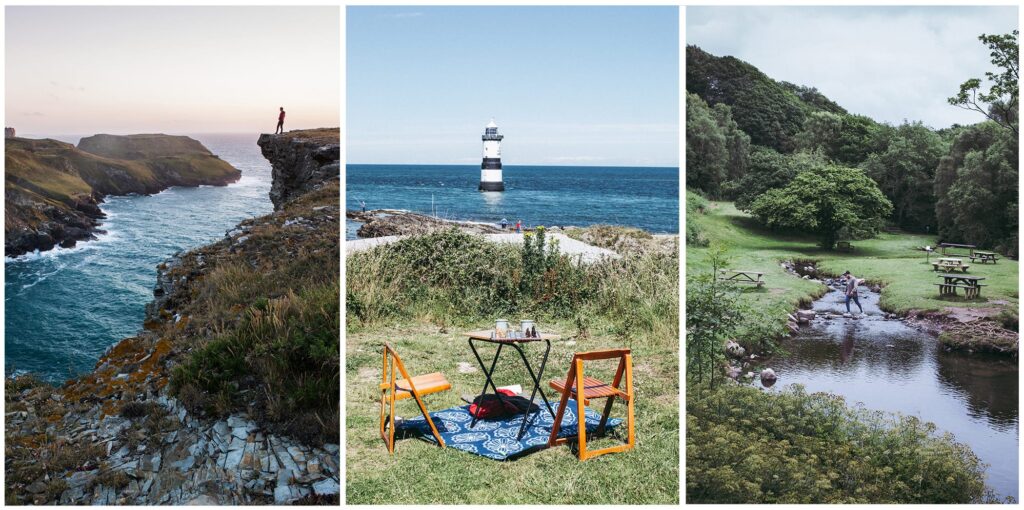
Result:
x=905 y=172
x=831 y=201
x=750 y=137
x=716 y=149
x=999 y=104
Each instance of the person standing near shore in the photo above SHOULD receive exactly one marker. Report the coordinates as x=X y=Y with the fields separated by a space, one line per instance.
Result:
x=519 y=226
x=851 y=291
x=504 y=223
x=280 y=123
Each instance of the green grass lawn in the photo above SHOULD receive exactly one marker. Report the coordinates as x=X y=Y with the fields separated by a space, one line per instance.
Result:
x=891 y=260
x=421 y=473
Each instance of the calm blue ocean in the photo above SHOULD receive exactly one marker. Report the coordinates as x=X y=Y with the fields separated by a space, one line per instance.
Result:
x=65 y=307
x=539 y=195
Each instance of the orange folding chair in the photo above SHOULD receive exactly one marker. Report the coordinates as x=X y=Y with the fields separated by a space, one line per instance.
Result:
x=593 y=388
x=392 y=390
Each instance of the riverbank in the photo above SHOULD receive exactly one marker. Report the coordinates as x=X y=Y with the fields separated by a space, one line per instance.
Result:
x=421 y=293
x=894 y=365
x=892 y=261
x=825 y=447
x=53 y=189
x=229 y=393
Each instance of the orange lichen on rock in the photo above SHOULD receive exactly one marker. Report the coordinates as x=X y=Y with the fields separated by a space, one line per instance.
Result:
x=145 y=359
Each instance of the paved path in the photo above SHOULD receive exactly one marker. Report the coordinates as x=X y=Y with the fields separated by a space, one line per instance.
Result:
x=566 y=245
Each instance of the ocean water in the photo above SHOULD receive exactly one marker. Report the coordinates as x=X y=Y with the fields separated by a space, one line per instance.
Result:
x=65 y=307
x=642 y=197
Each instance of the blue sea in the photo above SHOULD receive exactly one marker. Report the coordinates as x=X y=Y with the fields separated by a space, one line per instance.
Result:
x=644 y=197
x=65 y=307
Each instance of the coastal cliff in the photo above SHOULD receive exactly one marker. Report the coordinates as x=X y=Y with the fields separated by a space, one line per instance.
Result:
x=229 y=393
x=301 y=161
x=53 y=189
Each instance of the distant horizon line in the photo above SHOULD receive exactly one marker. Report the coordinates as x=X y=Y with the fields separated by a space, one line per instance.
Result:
x=172 y=133
x=477 y=165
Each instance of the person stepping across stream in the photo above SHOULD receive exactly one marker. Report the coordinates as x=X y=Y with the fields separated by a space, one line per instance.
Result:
x=851 y=291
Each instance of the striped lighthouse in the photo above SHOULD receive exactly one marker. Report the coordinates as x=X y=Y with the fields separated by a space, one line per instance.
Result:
x=490 y=169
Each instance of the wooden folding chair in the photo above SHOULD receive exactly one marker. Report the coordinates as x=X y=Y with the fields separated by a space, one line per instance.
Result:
x=392 y=390
x=593 y=388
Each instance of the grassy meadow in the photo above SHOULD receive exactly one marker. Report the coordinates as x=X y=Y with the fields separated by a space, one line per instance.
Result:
x=439 y=286
x=892 y=260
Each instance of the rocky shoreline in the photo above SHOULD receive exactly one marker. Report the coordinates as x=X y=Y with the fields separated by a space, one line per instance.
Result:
x=395 y=222
x=121 y=435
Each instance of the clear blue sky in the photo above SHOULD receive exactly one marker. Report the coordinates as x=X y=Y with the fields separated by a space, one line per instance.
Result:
x=566 y=85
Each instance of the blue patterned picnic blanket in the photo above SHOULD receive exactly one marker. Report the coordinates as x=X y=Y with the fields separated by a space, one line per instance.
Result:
x=496 y=438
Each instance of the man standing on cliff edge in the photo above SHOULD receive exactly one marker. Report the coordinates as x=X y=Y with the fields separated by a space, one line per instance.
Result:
x=280 y=123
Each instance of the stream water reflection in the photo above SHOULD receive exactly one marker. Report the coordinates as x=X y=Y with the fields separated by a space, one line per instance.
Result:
x=890 y=366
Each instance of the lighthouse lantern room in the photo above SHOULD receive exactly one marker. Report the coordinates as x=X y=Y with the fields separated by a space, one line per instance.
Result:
x=490 y=169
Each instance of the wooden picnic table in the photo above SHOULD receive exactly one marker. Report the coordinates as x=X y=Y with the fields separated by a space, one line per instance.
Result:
x=954 y=245
x=844 y=246
x=741 y=276
x=985 y=257
x=950 y=264
x=971 y=284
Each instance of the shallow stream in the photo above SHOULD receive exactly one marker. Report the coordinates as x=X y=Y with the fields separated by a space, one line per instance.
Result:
x=889 y=365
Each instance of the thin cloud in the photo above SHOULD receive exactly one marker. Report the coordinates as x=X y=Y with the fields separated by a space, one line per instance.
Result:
x=884 y=62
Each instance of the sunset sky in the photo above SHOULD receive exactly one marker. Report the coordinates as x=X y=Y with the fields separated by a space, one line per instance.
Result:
x=121 y=70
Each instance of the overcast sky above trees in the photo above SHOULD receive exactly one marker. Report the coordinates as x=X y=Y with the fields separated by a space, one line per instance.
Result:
x=889 y=63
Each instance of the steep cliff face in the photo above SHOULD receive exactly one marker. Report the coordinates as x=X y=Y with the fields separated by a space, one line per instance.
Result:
x=301 y=160
x=53 y=189
x=228 y=395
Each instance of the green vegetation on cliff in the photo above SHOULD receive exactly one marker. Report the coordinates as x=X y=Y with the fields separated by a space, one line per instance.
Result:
x=259 y=320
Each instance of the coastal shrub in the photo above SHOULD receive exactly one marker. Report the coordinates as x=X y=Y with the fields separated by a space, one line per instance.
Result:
x=745 y=445
x=637 y=294
x=289 y=345
x=451 y=277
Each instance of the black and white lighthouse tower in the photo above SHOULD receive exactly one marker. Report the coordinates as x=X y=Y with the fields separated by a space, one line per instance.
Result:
x=490 y=169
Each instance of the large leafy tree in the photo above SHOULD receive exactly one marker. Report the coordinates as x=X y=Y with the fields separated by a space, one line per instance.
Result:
x=905 y=172
x=999 y=104
x=830 y=201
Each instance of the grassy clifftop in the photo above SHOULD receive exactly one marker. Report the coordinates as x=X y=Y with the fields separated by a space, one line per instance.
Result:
x=53 y=188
